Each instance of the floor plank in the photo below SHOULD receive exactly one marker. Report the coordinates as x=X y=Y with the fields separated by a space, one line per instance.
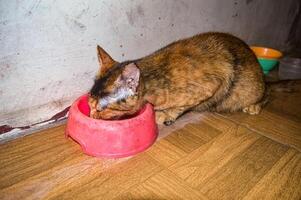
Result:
x=34 y=156
x=165 y=152
x=238 y=176
x=283 y=181
x=114 y=181
x=157 y=187
x=271 y=125
x=201 y=164
x=84 y=178
x=184 y=140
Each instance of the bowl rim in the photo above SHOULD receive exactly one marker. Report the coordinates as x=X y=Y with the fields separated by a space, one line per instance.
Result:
x=280 y=54
x=142 y=114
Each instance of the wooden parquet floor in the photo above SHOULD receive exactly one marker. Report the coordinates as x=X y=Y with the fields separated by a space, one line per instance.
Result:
x=222 y=156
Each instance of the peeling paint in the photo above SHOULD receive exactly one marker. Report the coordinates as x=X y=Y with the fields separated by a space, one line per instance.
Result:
x=33 y=7
x=235 y=15
x=83 y=12
x=135 y=14
x=74 y=24
x=5 y=128
x=55 y=118
x=140 y=11
x=249 y=1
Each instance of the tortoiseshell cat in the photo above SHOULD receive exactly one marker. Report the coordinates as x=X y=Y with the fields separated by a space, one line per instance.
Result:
x=210 y=71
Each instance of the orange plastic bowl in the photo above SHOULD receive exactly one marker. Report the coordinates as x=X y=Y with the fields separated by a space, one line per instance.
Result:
x=267 y=53
x=268 y=58
x=114 y=139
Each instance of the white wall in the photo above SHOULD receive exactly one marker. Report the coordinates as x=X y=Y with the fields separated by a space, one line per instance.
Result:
x=47 y=47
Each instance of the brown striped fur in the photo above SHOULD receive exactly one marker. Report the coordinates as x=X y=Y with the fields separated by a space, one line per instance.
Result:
x=210 y=71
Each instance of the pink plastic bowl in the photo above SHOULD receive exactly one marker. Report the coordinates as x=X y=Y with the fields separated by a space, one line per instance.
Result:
x=114 y=139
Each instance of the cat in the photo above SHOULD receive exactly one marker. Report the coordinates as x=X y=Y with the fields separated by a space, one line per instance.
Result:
x=207 y=72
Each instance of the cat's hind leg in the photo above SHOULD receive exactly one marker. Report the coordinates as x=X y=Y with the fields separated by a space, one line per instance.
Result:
x=253 y=109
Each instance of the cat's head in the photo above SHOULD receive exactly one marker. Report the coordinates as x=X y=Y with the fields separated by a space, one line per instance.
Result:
x=116 y=92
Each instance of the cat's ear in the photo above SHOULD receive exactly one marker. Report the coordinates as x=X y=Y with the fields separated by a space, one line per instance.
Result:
x=105 y=60
x=131 y=76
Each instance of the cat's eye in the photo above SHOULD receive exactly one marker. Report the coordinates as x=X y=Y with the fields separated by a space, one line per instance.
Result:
x=130 y=80
x=103 y=94
x=121 y=101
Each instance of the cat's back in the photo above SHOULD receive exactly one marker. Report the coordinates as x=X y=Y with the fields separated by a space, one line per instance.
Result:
x=214 y=45
x=213 y=48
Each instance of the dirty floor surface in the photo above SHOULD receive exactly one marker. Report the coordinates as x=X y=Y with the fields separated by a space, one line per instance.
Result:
x=202 y=156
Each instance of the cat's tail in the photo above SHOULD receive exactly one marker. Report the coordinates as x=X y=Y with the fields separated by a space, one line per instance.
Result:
x=272 y=87
x=287 y=86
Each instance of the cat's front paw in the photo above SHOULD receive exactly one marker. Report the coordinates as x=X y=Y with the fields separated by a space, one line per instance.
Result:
x=252 y=109
x=163 y=118
x=168 y=122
